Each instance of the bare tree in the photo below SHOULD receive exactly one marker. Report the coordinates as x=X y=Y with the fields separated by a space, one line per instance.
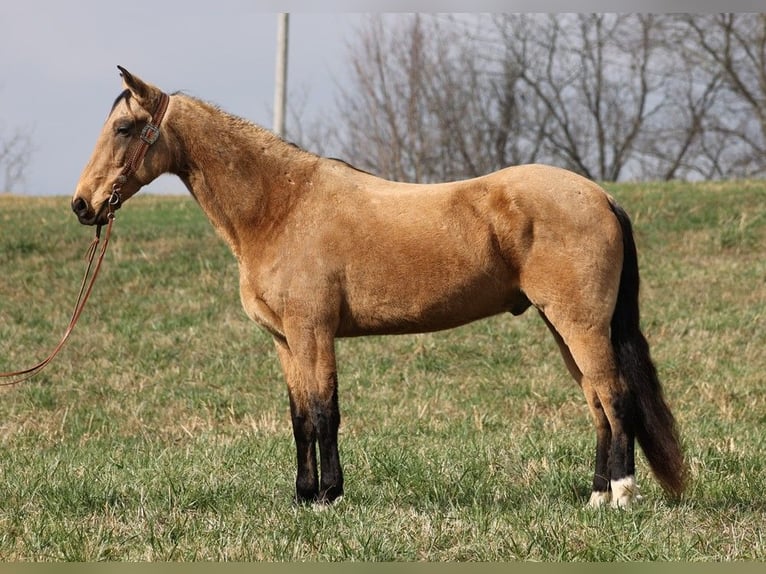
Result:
x=426 y=105
x=383 y=106
x=732 y=47
x=671 y=142
x=313 y=133
x=592 y=74
x=476 y=100
x=678 y=140
x=611 y=96
x=15 y=153
x=438 y=98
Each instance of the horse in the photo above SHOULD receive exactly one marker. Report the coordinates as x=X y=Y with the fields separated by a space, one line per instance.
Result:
x=325 y=250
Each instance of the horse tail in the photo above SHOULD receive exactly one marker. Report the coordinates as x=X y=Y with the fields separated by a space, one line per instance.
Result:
x=654 y=424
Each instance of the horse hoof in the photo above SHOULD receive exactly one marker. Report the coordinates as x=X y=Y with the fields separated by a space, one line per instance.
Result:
x=599 y=498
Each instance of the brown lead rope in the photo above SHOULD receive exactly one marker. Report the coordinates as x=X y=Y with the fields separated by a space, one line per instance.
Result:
x=148 y=136
x=86 y=287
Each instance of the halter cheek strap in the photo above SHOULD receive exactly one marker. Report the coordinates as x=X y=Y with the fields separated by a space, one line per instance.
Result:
x=149 y=134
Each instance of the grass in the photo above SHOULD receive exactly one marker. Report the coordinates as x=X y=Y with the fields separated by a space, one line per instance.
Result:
x=162 y=430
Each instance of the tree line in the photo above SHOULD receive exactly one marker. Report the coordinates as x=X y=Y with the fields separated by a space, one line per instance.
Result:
x=610 y=96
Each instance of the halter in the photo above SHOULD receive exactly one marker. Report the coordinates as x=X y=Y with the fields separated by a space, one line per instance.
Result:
x=149 y=134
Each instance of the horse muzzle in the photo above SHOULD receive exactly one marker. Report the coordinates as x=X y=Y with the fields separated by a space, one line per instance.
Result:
x=87 y=215
x=83 y=211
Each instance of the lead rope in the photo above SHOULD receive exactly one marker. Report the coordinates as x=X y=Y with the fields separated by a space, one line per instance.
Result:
x=148 y=136
x=86 y=287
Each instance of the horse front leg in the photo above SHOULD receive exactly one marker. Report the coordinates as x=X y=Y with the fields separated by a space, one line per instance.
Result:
x=304 y=430
x=309 y=368
x=328 y=423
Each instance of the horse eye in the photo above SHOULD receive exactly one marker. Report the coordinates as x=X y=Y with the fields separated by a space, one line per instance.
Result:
x=123 y=129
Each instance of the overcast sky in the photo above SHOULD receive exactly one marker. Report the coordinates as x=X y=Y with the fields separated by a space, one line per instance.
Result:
x=58 y=74
x=58 y=59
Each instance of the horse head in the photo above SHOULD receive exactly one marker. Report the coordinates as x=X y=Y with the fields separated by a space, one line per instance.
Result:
x=131 y=151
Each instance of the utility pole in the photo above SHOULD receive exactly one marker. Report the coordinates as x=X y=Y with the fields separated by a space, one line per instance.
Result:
x=280 y=84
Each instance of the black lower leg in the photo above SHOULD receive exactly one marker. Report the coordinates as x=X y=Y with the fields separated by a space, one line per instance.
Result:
x=307 y=479
x=622 y=458
x=601 y=475
x=327 y=423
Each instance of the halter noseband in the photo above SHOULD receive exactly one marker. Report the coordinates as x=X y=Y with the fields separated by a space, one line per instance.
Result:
x=149 y=134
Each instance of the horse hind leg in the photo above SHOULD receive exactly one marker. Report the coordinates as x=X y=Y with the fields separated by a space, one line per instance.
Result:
x=566 y=354
x=608 y=397
x=601 y=491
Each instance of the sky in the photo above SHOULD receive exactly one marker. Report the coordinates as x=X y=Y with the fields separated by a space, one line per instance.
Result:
x=58 y=68
x=58 y=59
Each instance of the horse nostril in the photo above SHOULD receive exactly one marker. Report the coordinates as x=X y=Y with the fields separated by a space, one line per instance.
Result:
x=79 y=206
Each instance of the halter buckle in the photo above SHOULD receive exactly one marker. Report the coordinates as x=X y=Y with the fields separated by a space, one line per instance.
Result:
x=150 y=133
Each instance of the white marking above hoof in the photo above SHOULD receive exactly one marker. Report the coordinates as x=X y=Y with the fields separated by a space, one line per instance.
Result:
x=624 y=492
x=599 y=498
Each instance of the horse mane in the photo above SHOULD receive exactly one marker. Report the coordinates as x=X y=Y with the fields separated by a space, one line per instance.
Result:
x=264 y=134
x=248 y=127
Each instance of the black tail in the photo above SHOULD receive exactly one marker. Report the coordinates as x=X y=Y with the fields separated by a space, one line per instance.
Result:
x=655 y=426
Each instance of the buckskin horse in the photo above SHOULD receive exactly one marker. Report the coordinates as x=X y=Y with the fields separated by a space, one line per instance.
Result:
x=326 y=250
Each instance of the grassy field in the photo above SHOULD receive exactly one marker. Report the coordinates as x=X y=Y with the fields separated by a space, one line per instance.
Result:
x=162 y=431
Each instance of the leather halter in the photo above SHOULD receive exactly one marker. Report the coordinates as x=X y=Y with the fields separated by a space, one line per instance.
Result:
x=149 y=134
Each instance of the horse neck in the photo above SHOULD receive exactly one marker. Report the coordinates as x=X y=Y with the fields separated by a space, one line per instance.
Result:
x=234 y=169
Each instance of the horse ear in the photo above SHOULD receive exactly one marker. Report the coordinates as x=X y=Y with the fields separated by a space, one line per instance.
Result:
x=146 y=94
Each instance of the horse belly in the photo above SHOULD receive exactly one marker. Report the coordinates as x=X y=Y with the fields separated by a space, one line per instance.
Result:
x=417 y=302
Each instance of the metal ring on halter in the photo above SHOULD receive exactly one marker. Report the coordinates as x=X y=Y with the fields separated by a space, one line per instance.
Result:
x=115 y=200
